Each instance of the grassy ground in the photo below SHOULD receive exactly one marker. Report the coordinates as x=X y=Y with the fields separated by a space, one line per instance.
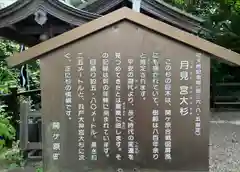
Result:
x=3 y=163
x=8 y=165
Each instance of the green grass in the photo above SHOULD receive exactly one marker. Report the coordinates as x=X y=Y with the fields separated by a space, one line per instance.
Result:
x=6 y=164
x=3 y=163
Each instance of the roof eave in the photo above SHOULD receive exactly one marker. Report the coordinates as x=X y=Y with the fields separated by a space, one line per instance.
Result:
x=171 y=15
x=87 y=6
x=74 y=11
x=17 y=12
x=138 y=18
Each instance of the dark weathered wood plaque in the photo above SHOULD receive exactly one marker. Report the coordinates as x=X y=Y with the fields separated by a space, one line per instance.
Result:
x=125 y=99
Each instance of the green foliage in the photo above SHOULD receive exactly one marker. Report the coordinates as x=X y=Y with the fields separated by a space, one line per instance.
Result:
x=15 y=156
x=8 y=77
x=222 y=21
x=39 y=169
x=7 y=131
x=7 y=48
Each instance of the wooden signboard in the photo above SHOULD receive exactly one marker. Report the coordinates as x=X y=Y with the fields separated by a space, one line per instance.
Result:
x=125 y=93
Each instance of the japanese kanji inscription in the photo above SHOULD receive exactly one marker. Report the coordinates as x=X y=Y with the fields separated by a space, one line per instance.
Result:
x=129 y=102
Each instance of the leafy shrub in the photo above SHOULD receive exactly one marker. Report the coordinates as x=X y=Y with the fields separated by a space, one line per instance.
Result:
x=7 y=131
x=39 y=169
x=14 y=155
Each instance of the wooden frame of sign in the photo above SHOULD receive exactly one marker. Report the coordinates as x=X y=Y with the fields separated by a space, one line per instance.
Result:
x=125 y=92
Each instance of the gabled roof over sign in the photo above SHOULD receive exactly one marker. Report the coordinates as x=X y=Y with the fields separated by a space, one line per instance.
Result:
x=114 y=17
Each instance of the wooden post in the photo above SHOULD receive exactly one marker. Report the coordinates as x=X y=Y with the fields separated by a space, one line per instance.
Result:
x=24 y=110
x=212 y=89
x=13 y=107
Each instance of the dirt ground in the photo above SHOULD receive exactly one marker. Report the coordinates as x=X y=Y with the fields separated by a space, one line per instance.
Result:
x=224 y=144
